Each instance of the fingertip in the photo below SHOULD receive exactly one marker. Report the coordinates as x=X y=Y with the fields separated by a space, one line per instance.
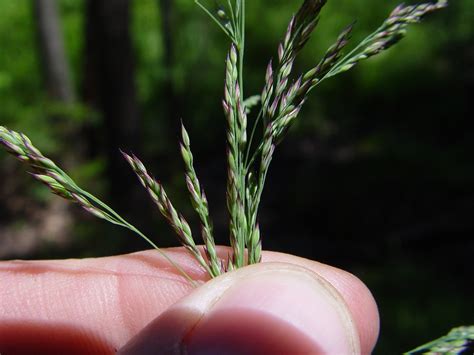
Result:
x=364 y=309
x=355 y=293
x=265 y=308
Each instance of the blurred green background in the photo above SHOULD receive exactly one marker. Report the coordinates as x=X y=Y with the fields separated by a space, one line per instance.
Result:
x=377 y=176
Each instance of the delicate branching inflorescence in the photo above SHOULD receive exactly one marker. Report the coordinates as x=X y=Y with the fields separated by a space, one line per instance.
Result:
x=281 y=100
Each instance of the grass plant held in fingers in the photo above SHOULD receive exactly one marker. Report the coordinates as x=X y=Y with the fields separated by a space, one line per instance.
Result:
x=252 y=135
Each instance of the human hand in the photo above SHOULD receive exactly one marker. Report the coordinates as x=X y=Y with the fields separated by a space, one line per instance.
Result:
x=138 y=304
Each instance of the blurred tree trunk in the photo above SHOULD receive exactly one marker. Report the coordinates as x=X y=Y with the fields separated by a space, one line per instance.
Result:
x=109 y=88
x=171 y=101
x=55 y=66
x=49 y=222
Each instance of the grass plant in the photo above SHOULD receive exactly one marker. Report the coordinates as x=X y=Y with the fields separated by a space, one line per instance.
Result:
x=251 y=137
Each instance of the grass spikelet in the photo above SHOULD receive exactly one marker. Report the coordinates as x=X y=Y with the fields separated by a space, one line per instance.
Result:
x=200 y=204
x=160 y=198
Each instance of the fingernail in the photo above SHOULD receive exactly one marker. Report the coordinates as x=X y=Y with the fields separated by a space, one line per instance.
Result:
x=265 y=308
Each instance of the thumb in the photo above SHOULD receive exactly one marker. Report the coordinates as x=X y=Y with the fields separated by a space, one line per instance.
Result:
x=264 y=308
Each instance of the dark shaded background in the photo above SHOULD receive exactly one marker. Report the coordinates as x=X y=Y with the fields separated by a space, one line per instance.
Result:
x=376 y=177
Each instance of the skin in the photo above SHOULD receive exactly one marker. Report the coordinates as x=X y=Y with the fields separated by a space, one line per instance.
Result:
x=130 y=302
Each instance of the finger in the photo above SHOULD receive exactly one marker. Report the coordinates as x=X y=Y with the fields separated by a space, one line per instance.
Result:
x=88 y=305
x=110 y=299
x=262 y=309
x=354 y=292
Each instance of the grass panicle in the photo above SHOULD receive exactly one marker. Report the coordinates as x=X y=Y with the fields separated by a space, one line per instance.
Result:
x=248 y=160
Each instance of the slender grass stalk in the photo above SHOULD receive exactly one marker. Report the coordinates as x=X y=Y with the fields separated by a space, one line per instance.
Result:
x=218 y=21
x=241 y=46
